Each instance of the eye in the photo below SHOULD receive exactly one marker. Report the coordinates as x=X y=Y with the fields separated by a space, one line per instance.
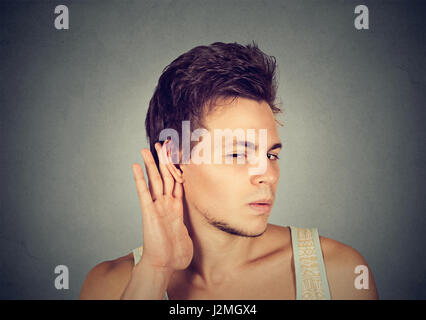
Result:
x=275 y=155
x=237 y=155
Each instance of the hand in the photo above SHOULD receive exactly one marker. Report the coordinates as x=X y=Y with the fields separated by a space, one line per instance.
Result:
x=166 y=241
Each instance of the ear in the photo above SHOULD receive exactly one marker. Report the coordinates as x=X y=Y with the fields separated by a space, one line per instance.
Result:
x=174 y=169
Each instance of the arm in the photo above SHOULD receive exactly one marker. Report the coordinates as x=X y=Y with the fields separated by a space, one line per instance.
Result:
x=167 y=245
x=118 y=279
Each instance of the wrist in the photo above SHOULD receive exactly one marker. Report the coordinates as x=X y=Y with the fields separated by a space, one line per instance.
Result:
x=156 y=271
x=147 y=282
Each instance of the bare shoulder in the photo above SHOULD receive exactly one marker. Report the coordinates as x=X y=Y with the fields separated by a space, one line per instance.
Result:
x=346 y=270
x=108 y=279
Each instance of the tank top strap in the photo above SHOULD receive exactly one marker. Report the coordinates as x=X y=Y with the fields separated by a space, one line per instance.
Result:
x=137 y=254
x=311 y=276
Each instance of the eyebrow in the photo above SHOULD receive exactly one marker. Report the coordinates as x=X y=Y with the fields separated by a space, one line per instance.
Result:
x=250 y=145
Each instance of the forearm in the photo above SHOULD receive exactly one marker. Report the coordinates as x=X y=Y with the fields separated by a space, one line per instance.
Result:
x=147 y=283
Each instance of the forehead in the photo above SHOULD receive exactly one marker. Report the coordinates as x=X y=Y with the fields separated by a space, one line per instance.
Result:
x=241 y=113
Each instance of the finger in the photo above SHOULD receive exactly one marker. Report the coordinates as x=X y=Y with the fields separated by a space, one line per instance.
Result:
x=143 y=192
x=154 y=178
x=149 y=180
x=178 y=190
x=165 y=173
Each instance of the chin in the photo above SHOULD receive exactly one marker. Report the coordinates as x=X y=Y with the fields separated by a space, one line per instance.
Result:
x=258 y=232
x=260 y=229
x=246 y=229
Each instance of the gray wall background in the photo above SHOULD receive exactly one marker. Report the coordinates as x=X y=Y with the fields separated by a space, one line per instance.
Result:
x=73 y=105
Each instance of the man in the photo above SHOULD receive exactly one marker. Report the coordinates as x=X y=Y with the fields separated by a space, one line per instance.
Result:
x=205 y=224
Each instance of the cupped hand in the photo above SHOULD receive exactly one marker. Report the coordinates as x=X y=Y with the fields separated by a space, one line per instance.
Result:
x=166 y=242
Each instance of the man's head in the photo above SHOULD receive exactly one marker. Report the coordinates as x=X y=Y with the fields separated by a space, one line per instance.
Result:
x=221 y=86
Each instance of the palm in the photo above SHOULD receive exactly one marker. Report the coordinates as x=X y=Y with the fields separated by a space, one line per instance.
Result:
x=166 y=239
x=165 y=236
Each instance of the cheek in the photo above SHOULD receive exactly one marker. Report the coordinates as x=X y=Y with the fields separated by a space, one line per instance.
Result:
x=202 y=183
x=215 y=185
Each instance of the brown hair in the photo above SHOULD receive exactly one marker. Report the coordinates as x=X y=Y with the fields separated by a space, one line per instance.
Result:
x=189 y=87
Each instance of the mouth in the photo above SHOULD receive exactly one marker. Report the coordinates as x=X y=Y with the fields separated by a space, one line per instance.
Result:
x=261 y=207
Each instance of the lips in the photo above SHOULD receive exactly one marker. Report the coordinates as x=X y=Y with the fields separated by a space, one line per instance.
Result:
x=261 y=206
x=262 y=201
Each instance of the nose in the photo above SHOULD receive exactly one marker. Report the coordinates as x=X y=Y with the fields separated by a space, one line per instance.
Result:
x=270 y=176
